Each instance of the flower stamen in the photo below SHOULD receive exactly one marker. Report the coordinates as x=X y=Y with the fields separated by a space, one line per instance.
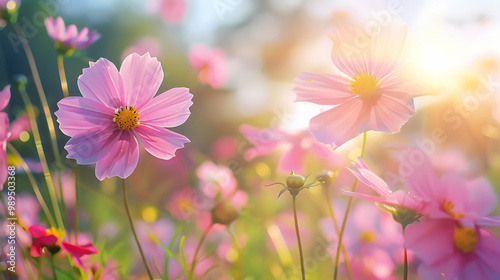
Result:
x=364 y=85
x=126 y=118
x=448 y=207
x=465 y=239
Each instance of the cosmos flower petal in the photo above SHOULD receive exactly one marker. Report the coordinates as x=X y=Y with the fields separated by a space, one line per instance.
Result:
x=339 y=124
x=71 y=32
x=77 y=114
x=160 y=142
x=78 y=251
x=292 y=160
x=367 y=197
x=59 y=28
x=102 y=82
x=169 y=109
x=386 y=49
x=119 y=158
x=431 y=240
x=389 y=114
x=367 y=177
x=4 y=97
x=142 y=77
x=417 y=174
x=264 y=140
x=322 y=89
x=489 y=221
x=488 y=251
x=85 y=147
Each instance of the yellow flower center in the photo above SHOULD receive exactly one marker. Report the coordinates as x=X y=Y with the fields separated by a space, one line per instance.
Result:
x=126 y=118
x=57 y=233
x=364 y=85
x=367 y=236
x=465 y=239
x=448 y=207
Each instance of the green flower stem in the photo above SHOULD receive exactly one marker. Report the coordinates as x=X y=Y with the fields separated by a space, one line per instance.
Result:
x=405 y=267
x=346 y=215
x=62 y=75
x=302 y=268
x=53 y=265
x=124 y=190
x=36 y=189
x=41 y=155
x=198 y=247
x=337 y=230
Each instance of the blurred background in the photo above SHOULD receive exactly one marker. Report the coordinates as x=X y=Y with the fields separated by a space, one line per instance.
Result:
x=239 y=59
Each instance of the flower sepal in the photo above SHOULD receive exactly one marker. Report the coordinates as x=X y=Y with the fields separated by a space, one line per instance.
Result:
x=403 y=215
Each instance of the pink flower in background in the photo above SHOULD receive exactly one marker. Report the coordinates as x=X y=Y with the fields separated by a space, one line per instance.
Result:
x=215 y=180
x=370 y=95
x=69 y=38
x=450 y=195
x=161 y=230
x=294 y=147
x=449 y=250
x=118 y=107
x=143 y=46
x=373 y=241
x=173 y=11
x=211 y=63
x=4 y=134
x=387 y=196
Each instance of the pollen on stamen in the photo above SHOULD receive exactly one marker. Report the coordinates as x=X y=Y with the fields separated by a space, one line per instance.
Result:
x=364 y=85
x=126 y=118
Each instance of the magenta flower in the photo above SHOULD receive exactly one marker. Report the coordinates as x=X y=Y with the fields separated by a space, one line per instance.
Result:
x=373 y=96
x=68 y=39
x=294 y=147
x=4 y=133
x=211 y=62
x=116 y=108
x=449 y=250
x=78 y=251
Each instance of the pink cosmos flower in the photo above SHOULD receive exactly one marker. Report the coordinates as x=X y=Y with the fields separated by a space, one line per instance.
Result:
x=211 y=62
x=370 y=95
x=400 y=197
x=116 y=108
x=450 y=195
x=449 y=250
x=294 y=147
x=4 y=133
x=173 y=11
x=69 y=38
x=215 y=180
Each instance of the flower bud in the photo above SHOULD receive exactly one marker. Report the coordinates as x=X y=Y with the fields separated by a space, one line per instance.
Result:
x=295 y=181
x=224 y=213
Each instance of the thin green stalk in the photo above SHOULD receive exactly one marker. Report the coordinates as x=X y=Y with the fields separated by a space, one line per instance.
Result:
x=124 y=190
x=346 y=215
x=41 y=155
x=198 y=247
x=62 y=75
x=53 y=265
x=32 y=180
x=302 y=268
x=75 y=210
x=337 y=230
x=405 y=269
x=45 y=106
